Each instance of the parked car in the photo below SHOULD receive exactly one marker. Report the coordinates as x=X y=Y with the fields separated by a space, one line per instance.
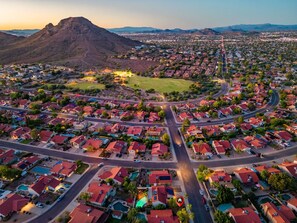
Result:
x=206 y=207
x=201 y=191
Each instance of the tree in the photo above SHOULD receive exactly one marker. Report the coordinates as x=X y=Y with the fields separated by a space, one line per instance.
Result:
x=282 y=182
x=239 y=120
x=185 y=214
x=166 y=139
x=161 y=114
x=264 y=174
x=186 y=122
x=203 y=172
x=221 y=217
x=225 y=195
x=132 y=214
x=85 y=196
x=8 y=173
x=34 y=134
x=236 y=183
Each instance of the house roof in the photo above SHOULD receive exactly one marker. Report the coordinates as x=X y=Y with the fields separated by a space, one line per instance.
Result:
x=85 y=214
x=244 y=215
x=160 y=177
x=239 y=144
x=78 y=139
x=115 y=146
x=219 y=176
x=159 y=193
x=57 y=139
x=43 y=182
x=289 y=167
x=13 y=203
x=64 y=168
x=164 y=216
x=136 y=146
x=293 y=201
x=95 y=143
x=202 y=148
x=159 y=149
x=247 y=175
x=274 y=213
x=116 y=173
x=98 y=191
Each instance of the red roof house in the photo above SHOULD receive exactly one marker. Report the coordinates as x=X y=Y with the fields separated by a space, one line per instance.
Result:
x=13 y=203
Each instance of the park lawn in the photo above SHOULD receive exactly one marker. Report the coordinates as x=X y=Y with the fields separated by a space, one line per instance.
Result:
x=86 y=85
x=161 y=85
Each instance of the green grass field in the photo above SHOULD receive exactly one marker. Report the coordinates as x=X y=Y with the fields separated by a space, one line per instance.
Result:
x=86 y=85
x=161 y=85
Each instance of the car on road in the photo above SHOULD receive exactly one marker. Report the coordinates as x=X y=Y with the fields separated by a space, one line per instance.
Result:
x=208 y=121
x=203 y=200
x=100 y=164
x=206 y=207
x=201 y=191
x=137 y=161
x=104 y=158
x=40 y=205
x=60 y=198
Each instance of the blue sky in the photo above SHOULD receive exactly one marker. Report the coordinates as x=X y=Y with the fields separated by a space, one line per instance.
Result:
x=156 y=13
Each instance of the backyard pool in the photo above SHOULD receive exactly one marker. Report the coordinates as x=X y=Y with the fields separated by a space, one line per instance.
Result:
x=140 y=203
x=266 y=199
x=119 y=206
x=286 y=197
x=141 y=217
x=225 y=207
x=40 y=170
x=213 y=191
x=133 y=176
x=23 y=187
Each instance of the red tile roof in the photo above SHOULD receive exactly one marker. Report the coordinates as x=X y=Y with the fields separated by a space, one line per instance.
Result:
x=247 y=175
x=13 y=203
x=159 y=149
x=117 y=173
x=164 y=216
x=244 y=215
x=85 y=214
x=64 y=168
x=98 y=192
x=44 y=182
x=160 y=177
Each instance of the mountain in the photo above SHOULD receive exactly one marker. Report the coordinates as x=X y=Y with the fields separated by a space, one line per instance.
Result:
x=21 y=32
x=257 y=28
x=129 y=29
x=6 y=39
x=74 y=42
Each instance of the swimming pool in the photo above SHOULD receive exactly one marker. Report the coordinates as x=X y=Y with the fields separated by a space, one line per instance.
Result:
x=141 y=217
x=225 y=207
x=40 y=170
x=23 y=187
x=140 y=203
x=213 y=192
x=286 y=197
x=133 y=176
x=119 y=206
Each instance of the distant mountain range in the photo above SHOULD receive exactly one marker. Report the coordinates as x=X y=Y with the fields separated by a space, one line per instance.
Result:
x=74 y=42
x=208 y=31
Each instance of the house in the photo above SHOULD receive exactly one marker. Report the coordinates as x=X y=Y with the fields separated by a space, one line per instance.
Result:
x=86 y=214
x=159 y=149
x=43 y=184
x=185 y=115
x=92 y=143
x=220 y=176
x=194 y=130
x=88 y=110
x=227 y=128
x=21 y=133
x=26 y=163
x=77 y=141
x=244 y=215
x=200 y=115
x=13 y=203
x=292 y=204
x=225 y=112
x=283 y=135
x=140 y=115
x=162 y=216
x=8 y=157
x=275 y=214
x=59 y=140
x=289 y=167
x=64 y=169
x=154 y=117
x=255 y=142
x=239 y=144
x=160 y=177
x=202 y=148
x=99 y=193
x=158 y=195
x=116 y=147
x=221 y=146
x=134 y=131
x=45 y=136
x=117 y=174
x=135 y=148
x=256 y=122
x=245 y=127
x=154 y=131
x=270 y=170
x=246 y=176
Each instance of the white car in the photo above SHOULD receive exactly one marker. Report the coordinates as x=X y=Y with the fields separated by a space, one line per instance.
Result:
x=100 y=164
x=137 y=161
x=201 y=191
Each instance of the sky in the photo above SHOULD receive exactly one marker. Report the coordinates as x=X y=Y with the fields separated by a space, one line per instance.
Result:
x=27 y=14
